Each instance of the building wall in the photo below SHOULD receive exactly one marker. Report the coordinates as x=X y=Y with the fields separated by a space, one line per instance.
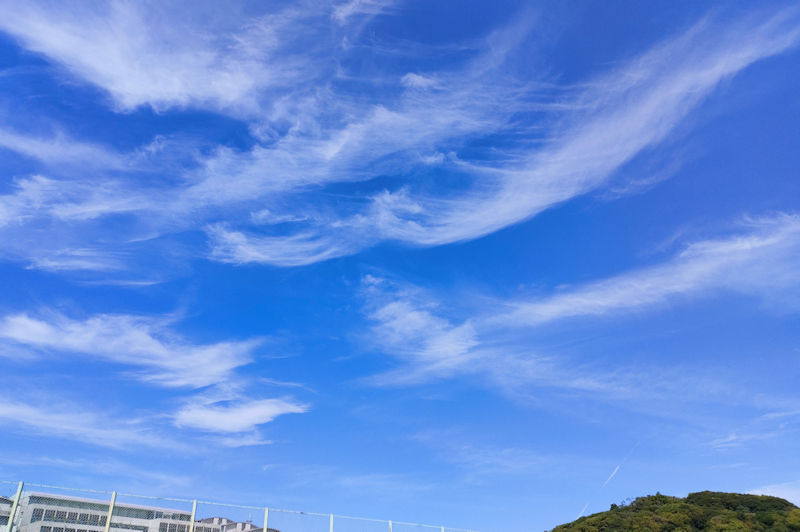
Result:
x=5 y=509
x=40 y=512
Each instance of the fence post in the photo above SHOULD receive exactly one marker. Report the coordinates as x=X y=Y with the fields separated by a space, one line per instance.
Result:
x=266 y=519
x=14 y=506
x=390 y=525
x=110 y=510
x=331 y=522
x=194 y=513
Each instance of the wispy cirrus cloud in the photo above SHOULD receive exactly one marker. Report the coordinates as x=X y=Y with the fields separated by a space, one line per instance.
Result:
x=235 y=417
x=231 y=424
x=226 y=412
x=308 y=139
x=166 y=358
x=59 y=149
x=735 y=439
x=432 y=340
x=78 y=423
x=409 y=325
x=618 y=117
x=753 y=262
x=163 y=56
x=77 y=259
x=296 y=250
x=785 y=490
x=39 y=199
x=344 y=10
x=417 y=126
x=481 y=461
x=107 y=468
x=617 y=120
x=234 y=412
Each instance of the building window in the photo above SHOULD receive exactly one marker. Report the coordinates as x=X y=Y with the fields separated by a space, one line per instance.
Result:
x=37 y=514
x=55 y=501
x=136 y=513
x=45 y=529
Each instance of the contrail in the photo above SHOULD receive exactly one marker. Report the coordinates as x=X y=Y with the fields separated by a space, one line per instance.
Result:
x=611 y=476
x=616 y=470
x=585 y=506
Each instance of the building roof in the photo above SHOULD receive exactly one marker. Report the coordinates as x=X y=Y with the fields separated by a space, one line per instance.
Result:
x=106 y=502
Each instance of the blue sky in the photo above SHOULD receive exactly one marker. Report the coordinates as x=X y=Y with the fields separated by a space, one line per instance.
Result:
x=485 y=264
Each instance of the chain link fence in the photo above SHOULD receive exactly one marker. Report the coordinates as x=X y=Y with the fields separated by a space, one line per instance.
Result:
x=44 y=508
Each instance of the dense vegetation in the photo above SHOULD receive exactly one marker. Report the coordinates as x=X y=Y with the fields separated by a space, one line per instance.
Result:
x=706 y=510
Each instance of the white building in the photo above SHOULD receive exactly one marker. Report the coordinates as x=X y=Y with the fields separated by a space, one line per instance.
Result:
x=5 y=509
x=45 y=512
x=223 y=524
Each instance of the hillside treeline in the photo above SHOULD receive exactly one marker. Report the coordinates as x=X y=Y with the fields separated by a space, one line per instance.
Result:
x=706 y=510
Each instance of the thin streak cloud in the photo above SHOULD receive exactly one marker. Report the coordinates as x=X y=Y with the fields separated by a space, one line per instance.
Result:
x=80 y=424
x=167 y=359
x=434 y=341
x=318 y=136
x=613 y=121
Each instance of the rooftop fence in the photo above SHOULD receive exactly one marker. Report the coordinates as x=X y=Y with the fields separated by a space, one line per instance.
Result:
x=114 y=510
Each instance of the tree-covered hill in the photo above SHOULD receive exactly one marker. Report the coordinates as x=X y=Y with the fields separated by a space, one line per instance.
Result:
x=706 y=510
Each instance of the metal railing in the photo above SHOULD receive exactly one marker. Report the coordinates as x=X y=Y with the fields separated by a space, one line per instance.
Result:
x=197 y=515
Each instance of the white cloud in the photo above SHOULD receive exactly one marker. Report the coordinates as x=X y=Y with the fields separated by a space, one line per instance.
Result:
x=786 y=490
x=343 y=11
x=494 y=461
x=109 y=469
x=167 y=358
x=498 y=342
x=620 y=116
x=757 y=261
x=616 y=122
x=60 y=149
x=343 y=138
x=406 y=325
x=76 y=259
x=738 y=439
x=395 y=484
x=76 y=423
x=312 y=135
x=39 y=197
x=237 y=416
x=295 y=250
x=478 y=462
x=246 y=440
x=163 y=56
x=418 y=81
x=409 y=325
